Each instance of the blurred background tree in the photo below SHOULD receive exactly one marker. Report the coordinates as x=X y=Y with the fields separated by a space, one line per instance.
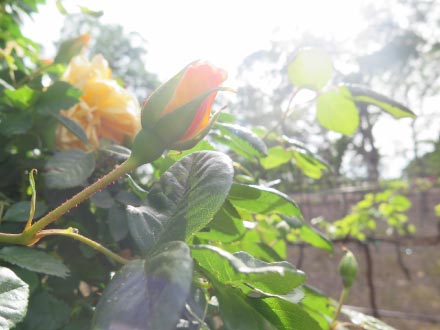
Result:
x=124 y=51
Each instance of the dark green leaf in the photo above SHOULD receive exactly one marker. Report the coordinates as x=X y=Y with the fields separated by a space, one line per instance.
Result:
x=243 y=271
x=336 y=111
x=46 y=313
x=148 y=295
x=73 y=127
x=15 y=123
x=35 y=260
x=362 y=94
x=311 y=68
x=69 y=169
x=185 y=199
x=19 y=212
x=103 y=199
x=14 y=294
x=262 y=200
x=61 y=95
x=117 y=221
x=242 y=140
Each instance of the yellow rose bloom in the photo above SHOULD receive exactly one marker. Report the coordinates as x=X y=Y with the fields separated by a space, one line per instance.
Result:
x=106 y=110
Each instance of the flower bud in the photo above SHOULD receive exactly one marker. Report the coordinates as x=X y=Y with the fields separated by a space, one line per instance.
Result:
x=179 y=110
x=178 y=113
x=348 y=268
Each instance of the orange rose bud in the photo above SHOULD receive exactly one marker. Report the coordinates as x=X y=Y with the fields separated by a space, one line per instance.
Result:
x=177 y=115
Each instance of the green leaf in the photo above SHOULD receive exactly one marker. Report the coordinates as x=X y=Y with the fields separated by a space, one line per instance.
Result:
x=21 y=98
x=69 y=169
x=15 y=123
x=277 y=156
x=284 y=315
x=46 y=313
x=19 y=212
x=34 y=260
x=70 y=48
x=241 y=140
x=117 y=222
x=61 y=95
x=362 y=94
x=236 y=312
x=309 y=234
x=73 y=127
x=367 y=322
x=90 y=12
x=243 y=271
x=262 y=200
x=148 y=295
x=184 y=201
x=311 y=68
x=14 y=295
x=337 y=112
x=308 y=164
x=319 y=306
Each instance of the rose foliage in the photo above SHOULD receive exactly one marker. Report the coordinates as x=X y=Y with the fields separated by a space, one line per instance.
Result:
x=194 y=240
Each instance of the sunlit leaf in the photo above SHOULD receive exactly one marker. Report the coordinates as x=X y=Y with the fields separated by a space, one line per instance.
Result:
x=14 y=295
x=337 y=112
x=311 y=68
x=362 y=94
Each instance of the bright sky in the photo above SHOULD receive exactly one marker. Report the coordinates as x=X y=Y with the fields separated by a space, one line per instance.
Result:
x=222 y=32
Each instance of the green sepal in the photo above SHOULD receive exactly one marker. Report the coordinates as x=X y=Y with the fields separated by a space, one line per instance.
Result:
x=158 y=100
x=173 y=126
x=188 y=144
x=147 y=147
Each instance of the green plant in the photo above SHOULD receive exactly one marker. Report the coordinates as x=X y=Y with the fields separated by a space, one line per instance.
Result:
x=195 y=240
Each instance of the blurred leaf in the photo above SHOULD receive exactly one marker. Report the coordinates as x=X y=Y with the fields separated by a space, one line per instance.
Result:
x=311 y=68
x=34 y=260
x=337 y=112
x=309 y=234
x=117 y=221
x=308 y=165
x=73 y=127
x=21 y=98
x=61 y=7
x=184 y=201
x=367 y=322
x=69 y=169
x=319 y=306
x=262 y=200
x=46 y=312
x=70 y=48
x=243 y=271
x=400 y=203
x=362 y=94
x=14 y=294
x=117 y=151
x=19 y=212
x=241 y=140
x=59 y=96
x=103 y=199
x=284 y=315
x=277 y=156
x=93 y=13
x=148 y=295
x=15 y=123
x=236 y=312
